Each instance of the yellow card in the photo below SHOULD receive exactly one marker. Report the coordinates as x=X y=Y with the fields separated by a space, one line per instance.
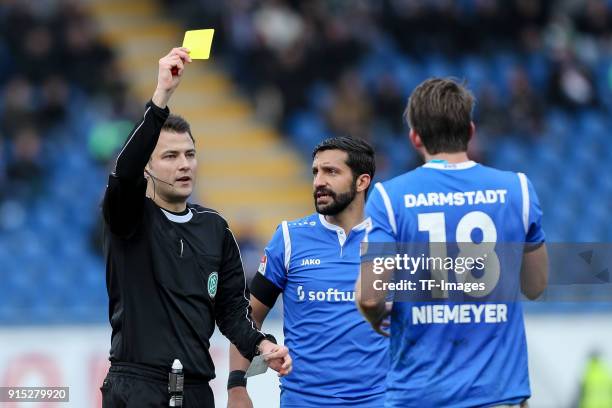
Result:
x=199 y=42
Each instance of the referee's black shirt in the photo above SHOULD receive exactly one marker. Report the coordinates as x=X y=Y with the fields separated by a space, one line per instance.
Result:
x=162 y=300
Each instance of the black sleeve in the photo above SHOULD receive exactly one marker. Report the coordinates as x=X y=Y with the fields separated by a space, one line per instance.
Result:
x=124 y=197
x=264 y=290
x=232 y=310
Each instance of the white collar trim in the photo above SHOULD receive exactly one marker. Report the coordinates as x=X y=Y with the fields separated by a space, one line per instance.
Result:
x=449 y=166
x=181 y=219
x=329 y=225
x=362 y=225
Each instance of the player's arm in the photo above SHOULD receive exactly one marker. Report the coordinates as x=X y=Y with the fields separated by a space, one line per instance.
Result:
x=124 y=196
x=380 y=237
x=370 y=302
x=534 y=271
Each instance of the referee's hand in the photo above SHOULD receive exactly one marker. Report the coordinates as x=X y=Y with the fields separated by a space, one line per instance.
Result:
x=170 y=72
x=276 y=356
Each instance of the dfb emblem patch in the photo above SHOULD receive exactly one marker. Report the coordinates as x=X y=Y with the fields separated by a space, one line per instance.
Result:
x=213 y=281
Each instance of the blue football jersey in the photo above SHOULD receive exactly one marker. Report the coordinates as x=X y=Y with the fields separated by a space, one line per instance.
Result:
x=338 y=360
x=458 y=353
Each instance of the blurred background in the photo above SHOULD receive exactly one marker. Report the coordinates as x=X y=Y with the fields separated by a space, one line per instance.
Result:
x=75 y=74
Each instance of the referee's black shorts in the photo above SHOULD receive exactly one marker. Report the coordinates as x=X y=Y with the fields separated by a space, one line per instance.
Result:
x=134 y=386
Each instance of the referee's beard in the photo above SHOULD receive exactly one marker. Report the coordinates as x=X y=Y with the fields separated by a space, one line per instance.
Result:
x=339 y=201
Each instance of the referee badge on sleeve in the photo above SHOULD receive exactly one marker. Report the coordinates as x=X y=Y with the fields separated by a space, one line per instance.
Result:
x=213 y=280
x=262 y=265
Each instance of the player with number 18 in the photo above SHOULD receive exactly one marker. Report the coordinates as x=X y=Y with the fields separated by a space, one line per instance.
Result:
x=455 y=349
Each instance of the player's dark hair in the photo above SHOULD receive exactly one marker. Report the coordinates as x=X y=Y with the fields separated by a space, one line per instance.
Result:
x=440 y=112
x=360 y=154
x=177 y=124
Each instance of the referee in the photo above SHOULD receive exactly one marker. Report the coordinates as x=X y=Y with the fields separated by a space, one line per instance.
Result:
x=173 y=268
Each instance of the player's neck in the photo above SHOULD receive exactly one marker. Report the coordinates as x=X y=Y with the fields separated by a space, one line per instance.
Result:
x=350 y=217
x=458 y=157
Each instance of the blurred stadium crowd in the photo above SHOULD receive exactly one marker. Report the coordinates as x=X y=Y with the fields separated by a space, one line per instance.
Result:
x=541 y=71
x=62 y=108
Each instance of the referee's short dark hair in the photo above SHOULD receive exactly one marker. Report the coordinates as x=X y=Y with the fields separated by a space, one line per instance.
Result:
x=360 y=153
x=177 y=124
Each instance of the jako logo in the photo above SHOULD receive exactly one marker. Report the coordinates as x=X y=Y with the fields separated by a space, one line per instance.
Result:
x=311 y=262
x=329 y=295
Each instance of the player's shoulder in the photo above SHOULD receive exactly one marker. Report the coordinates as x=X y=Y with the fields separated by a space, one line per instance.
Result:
x=399 y=182
x=290 y=230
x=305 y=223
x=496 y=171
x=499 y=174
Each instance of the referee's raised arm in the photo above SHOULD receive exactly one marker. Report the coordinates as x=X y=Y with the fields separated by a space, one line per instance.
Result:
x=173 y=267
x=125 y=192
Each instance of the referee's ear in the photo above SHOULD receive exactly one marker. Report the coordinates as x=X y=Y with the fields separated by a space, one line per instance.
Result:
x=363 y=182
x=147 y=170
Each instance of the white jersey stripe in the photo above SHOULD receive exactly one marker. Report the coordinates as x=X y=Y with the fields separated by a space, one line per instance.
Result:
x=525 y=194
x=287 y=240
x=389 y=208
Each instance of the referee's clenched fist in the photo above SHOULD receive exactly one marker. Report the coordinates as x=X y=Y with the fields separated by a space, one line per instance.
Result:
x=171 y=69
x=173 y=268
